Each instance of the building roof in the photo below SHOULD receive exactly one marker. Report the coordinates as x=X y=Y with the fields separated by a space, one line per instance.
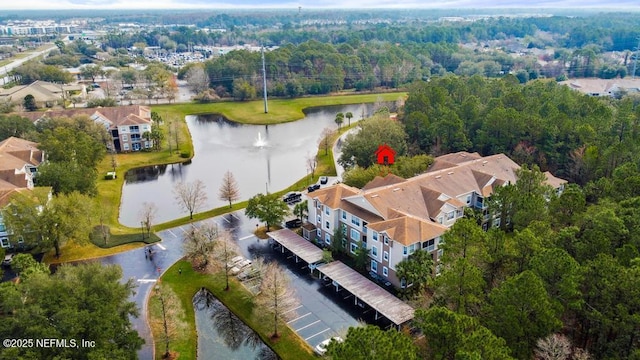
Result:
x=114 y=116
x=369 y=292
x=407 y=229
x=602 y=87
x=332 y=196
x=42 y=91
x=389 y=179
x=15 y=153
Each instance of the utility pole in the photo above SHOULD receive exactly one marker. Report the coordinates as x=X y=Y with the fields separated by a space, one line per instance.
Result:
x=635 y=63
x=264 y=82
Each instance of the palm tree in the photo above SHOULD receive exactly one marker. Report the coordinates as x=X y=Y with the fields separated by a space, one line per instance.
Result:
x=349 y=115
x=339 y=119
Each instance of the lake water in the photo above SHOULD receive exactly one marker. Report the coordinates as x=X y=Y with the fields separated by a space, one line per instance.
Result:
x=222 y=335
x=261 y=158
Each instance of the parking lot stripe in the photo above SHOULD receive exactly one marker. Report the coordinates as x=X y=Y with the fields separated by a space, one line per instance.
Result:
x=246 y=237
x=294 y=309
x=316 y=334
x=298 y=318
x=161 y=247
x=306 y=326
x=172 y=233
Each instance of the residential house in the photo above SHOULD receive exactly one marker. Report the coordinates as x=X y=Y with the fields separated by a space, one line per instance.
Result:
x=125 y=124
x=19 y=160
x=394 y=217
x=46 y=94
x=603 y=87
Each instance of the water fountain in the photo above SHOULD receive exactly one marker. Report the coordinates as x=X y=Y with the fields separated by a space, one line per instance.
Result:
x=259 y=141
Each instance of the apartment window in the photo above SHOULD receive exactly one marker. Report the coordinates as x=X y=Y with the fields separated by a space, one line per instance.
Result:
x=344 y=215
x=318 y=232
x=374 y=266
x=374 y=252
x=318 y=204
x=386 y=240
x=4 y=242
x=315 y=203
x=468 y=199
x=355 y=235
x=134 y=129
x=344 y=243
x=319 y=218
x=125 y=137
x=125 y=146
x=440 y=220
x=496 y=222
x=354 y=248
x=385 y=256
x=327 y=239
x=327 y=210
x=374 y=236
x=326 y=224
x=3 y=228
x=355 y=221
x=451 y=215
x=344 y=230
x=408 y=250
x=429 y=245
x=385 y=271
x=135 y=137
x=403 y=283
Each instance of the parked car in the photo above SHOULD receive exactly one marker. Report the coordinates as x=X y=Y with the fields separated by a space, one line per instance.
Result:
x=295 y=223
x=324 y=180
x=321 y=349
x=7 y=260
x=313 y=187
x=292 y=197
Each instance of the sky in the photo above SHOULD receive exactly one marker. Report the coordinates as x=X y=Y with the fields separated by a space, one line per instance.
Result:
x=315 y=4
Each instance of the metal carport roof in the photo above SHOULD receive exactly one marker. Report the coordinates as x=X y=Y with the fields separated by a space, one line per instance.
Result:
x=298 y=245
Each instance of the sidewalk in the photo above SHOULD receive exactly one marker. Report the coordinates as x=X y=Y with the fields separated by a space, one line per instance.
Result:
x=337 y=150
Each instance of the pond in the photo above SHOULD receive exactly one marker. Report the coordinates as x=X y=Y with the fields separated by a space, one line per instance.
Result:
x=222 y=335
x=260 y=157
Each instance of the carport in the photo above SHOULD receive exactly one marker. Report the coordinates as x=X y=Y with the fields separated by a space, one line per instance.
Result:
x=301 y=248
x=370 y=293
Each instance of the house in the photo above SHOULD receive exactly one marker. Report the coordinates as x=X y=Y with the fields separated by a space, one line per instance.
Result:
x=125 y=124
x=393 y=217
x=603 y=87
x=385 y=155
x=19 y=160
x=46 y=94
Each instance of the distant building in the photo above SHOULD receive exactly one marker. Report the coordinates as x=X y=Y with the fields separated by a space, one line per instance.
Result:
x=603 y=87
x=46 y=94
x=393 y=217
x=125 y=124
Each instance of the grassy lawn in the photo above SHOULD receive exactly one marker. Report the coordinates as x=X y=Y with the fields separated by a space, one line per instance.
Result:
x=237 y=299
x=280 y=110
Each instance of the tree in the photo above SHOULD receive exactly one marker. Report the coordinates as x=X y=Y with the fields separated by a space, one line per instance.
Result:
x=29 y=103
x=339 y=119
x=553 y=347
x=24 y=265
x=301 y=209
x=48 y=224
x=325 y=139
x=361 y=256
x=359 y=148
x=197 y=79
x=348 y=115
x=190 y=196
x=199 y=244
x=416 y=271
x=91 y=72
x=369 y=342
x=276 y=295
x=147 y=215
x=225 y=249
x=172 y=316
x=14 y=125
x=267 y=208
x=91 y=303
x=521 y=312
x=243 y=90
x=312 y=164
x=229 y=189
x=450 y=335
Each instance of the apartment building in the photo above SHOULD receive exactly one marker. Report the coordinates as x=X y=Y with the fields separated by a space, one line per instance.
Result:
x=125 y=124
x=393 y=217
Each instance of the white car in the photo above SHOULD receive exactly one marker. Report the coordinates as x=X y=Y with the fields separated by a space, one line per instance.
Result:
x=321 y=348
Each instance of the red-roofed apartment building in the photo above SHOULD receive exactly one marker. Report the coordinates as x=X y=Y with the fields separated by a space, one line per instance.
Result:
x=393 y=217
x=125 y=124
x=19 y=160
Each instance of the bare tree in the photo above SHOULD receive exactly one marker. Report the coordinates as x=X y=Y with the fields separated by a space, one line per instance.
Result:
x=171 y=321
x=325 y=139
x=225 y=250
x=553 y=347
x=229 y=190
x=147 y=216
x=312 y=164
x=277 y=295
x=199 y=244
x=197 y=79
x=190 y=196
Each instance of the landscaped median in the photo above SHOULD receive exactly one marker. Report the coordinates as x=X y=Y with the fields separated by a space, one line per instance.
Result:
x=185 y=282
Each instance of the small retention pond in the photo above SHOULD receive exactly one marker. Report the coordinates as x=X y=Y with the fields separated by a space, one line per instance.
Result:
x=222 y=335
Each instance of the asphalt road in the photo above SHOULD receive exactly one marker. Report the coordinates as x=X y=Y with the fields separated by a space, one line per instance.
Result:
x=321 y=314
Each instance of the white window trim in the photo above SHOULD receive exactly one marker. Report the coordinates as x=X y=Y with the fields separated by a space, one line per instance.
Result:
x=374 y=266
x=385 y=271
x=354 y=231
x=385 y=255
x=353 y=248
